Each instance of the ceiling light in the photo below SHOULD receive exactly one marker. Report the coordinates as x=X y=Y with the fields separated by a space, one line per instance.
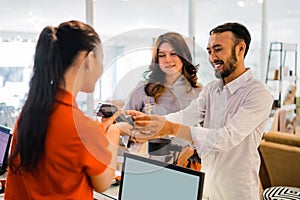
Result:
x=260 y=1
x=241 y=4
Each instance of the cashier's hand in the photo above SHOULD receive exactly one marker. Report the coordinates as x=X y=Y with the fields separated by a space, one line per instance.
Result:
x=148 y=126
x=126 y=128
x=109 y=121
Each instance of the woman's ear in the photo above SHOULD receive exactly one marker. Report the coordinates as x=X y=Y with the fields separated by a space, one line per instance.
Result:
x=88 y=61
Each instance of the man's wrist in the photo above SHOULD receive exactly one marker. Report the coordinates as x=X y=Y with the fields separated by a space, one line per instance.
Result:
x=172 y=128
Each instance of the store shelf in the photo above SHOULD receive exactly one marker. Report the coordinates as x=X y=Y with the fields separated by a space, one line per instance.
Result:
x=282 y=71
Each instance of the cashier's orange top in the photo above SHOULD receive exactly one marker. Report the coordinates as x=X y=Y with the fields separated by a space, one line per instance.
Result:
x=75 y=148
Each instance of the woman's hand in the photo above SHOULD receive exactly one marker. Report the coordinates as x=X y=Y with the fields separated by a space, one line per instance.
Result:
x=113 y=135
x=109 y=121
x=124 y=127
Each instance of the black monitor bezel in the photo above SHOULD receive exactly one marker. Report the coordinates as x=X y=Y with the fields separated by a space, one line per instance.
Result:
x=162 y=164
x=3 y=167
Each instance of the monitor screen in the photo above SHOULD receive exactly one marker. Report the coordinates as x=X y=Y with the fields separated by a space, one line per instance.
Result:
x=5 y=138
x=147 y=179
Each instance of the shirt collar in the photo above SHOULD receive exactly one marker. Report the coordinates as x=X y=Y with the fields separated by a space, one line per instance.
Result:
x=178 y=82
x=238 y=82
x=66 y=97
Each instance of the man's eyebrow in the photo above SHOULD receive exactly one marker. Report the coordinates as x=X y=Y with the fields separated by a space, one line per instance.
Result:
x=214 y=46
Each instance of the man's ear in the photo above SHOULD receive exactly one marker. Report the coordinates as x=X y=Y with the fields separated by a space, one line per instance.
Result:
x=242 y=48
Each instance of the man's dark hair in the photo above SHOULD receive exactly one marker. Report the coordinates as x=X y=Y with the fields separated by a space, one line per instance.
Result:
x=239 y=31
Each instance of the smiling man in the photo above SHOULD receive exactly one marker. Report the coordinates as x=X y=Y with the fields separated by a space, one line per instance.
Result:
x=227 y=50
x=232 y=112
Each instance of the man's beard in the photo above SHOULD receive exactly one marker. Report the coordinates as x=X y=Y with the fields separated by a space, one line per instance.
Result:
x=218 y=75
x=228 y=67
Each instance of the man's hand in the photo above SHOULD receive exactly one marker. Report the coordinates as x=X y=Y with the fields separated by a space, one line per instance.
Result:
x=149 y=126
x=133 y=113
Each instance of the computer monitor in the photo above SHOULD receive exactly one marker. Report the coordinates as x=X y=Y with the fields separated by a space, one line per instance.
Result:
x=147 y=179
x=5 y=139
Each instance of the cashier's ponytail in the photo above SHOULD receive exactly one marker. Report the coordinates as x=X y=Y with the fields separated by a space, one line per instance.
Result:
x=56 y=50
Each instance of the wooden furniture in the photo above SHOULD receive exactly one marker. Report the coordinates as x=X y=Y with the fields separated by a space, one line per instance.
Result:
x=280 y=159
